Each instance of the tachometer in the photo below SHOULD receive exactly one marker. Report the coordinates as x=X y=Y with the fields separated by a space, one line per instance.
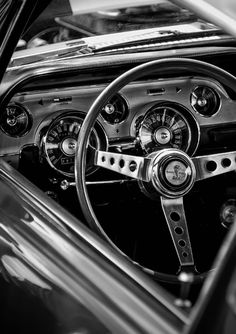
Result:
x=168 y=125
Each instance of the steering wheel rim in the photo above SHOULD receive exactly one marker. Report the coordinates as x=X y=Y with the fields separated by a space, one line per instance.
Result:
x=169 y=65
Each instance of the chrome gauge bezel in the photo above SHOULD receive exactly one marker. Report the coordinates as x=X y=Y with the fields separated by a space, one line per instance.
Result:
x=98 y=133
x=27 y=125
x=192 y=127
x=217 y=101
x=125 y=111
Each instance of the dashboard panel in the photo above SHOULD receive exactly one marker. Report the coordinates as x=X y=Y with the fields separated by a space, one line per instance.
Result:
x=145 y=115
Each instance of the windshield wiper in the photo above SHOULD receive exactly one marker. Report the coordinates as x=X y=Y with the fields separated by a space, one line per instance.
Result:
x=110 y=43
x=150 y=38
x=22 y=58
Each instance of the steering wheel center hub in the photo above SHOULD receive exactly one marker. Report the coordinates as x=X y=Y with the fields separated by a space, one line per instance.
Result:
x=171 y=173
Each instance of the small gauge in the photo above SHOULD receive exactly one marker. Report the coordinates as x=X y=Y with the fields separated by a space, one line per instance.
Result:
x=165 y=126
x=228 y=213
x=116 y=110
x=205 y=101
x=15 y=120
x=60 y=144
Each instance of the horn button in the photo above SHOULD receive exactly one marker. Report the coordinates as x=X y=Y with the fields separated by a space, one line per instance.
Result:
x=176 y=173
x=172 y=173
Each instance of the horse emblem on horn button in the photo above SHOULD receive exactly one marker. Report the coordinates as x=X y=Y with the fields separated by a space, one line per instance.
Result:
x=177 y=172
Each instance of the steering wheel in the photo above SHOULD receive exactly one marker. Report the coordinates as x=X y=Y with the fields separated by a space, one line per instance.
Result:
x=170 y=173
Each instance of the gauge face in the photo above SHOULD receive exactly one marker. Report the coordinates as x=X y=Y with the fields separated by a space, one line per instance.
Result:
x=205 y=101
x=15 y=120
x=164 y=127
x=60 y=143
x=116 y=110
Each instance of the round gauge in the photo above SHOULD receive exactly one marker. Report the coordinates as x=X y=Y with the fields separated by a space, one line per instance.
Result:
x=15 y=120
x=205 y=101
x=60 y=144
x=164 y=126
x=116 y=110
x=228 y=213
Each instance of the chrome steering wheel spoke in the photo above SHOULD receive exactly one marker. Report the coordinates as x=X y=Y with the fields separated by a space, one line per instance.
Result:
x=129 y=165
x=175 y=217
x=215 y=164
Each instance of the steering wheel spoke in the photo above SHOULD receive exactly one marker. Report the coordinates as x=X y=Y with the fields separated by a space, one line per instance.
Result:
x=129 y=165
x=216 y=164
x=175 y=217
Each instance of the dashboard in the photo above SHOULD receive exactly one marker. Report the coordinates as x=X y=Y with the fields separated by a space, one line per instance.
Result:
x=145 y=116
x=42 y=118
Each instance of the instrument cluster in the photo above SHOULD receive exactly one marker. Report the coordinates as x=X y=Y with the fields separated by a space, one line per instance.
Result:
x=143 y=117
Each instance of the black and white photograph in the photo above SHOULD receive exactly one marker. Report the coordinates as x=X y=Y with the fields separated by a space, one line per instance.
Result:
x=118 y=167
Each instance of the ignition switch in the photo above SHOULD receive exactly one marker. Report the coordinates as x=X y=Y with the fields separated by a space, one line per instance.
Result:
x=228 y=213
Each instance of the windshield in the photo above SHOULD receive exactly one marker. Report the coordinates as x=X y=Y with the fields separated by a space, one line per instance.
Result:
x=57 y=23
x=126 y=19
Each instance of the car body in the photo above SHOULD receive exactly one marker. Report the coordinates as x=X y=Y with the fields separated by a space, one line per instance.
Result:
x=103 y=140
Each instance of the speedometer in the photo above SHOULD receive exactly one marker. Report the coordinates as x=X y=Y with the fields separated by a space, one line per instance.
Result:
x=168 y=126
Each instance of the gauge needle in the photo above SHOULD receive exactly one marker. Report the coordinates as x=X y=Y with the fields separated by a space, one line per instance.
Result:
x=56 y=161
x=52 y=146
x=163 y=117
x=172 y=121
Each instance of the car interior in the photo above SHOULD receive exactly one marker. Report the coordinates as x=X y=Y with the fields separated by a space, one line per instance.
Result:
x=168 y=214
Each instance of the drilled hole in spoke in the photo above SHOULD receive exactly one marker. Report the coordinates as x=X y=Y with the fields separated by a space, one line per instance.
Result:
x=226 y=162
x=211 y=166
x=182 y=243
x=112 y=161
x=122 y=163
x=103 y=158
x=132 y=166
x=175 y=216
x=179 y=230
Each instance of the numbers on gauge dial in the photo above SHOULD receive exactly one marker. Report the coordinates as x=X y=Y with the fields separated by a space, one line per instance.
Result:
x=164 y=127
x=60 y=144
